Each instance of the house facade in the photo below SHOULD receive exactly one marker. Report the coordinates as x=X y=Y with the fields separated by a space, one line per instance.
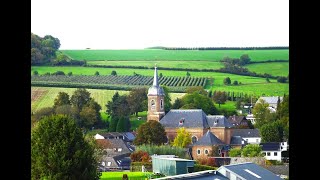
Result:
x=274 y=150
x=251 y=136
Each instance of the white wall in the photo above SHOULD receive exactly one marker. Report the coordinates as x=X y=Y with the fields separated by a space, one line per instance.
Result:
x=98 y=136
x=254 y=140
x=272 y=156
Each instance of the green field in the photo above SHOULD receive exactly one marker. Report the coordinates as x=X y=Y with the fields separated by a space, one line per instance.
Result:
x=44 y=96
x=170 y=64
x=175 y=55
x=118 y=175
x=228 y=105
x=273 y=68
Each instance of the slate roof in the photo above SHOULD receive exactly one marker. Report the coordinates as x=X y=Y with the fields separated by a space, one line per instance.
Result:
x=271 y=100
x=237 y=140
x=236 y=119
x=112 y=135
x=208 y=139
x=117 y=161
x=249 y=170
x=218 y=121
x=192 y=118
x=116 y=143
x=270 y=146
x=279 y=169
x=246 y=133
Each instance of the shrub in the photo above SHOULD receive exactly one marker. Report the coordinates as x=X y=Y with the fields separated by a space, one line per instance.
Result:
x=58 y=73
x=97 y=73
x=199 y=167
x=35 y=73
x=69 y=73
x=235 y=82
x=282 y=79
x=140 y=156
x=163 y=150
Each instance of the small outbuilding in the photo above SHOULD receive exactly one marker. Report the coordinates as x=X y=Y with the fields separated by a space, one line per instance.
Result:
x=171 y=166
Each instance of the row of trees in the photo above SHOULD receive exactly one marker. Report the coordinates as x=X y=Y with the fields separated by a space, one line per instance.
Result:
x=80 y=107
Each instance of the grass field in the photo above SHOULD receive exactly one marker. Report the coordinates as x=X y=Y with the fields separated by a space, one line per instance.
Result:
x=228 y=105
x=171 y=64
x=118 y=175
x=44 y=96
x=176 y=55
x=273 y=68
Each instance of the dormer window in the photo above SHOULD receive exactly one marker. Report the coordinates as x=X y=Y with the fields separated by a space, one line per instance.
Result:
x=181 y=121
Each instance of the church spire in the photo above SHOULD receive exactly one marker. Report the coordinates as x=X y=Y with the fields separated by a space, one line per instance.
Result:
x=155 y=77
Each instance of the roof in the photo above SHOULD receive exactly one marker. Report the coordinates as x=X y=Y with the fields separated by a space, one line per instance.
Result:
x=271 y=100
x=191 y=118
x=279 y=169
x=236 y=119
x=250 y=171
x=237 y=140
x=172 y=158
x=270 y=146
x=111 y=135
x=246 y=133
x=110 y=144
x=129 y=136
x=218 y=121
x=208 y=139
x=200 y=175
x=155 y=89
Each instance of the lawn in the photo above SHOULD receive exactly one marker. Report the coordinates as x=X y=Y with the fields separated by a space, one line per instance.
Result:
x=175 y=55
x=228 y=105
x=119 y=175
x=44 y=96
x=273 y=68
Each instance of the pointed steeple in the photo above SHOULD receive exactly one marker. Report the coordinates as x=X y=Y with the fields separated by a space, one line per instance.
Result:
x=155 y=76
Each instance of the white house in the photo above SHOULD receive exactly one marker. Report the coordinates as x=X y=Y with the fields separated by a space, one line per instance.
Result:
x=273 y=150
x=272 y=101
x=251 y=118
x=251 y=136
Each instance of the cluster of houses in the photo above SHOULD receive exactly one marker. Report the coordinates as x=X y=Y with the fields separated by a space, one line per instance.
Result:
x=208 y=133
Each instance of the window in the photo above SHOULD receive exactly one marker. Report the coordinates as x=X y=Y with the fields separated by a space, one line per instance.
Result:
x=198 y=151
x=206 y=152
x=268 y=153
x=108 y=163
x=115 y=149
x=275 y=154
x=161 y=104
x=219 y=151
x=119 y=149
x=228 y=174
x=153 y=104
x=194 y=139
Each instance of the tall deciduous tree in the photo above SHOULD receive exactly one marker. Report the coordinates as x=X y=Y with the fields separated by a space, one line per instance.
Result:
x=244 y=59
x=177 y=104
x=183 y=138
x=272 y=132
x=199 y=101
x=251 y=150
x=220 y=97
x=198 y=89
x=61 y=99
x=167 y=99
x=262 y=113
x=151 y=132
x=80 y=97
x=60 y=151
x=137 y=100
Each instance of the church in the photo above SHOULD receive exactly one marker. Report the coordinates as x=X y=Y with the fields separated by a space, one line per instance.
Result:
x=196 y=122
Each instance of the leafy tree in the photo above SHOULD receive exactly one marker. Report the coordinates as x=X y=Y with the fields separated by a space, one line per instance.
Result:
x=88 y=117
x=113 y=73
x=267 y=80
x=251 y=150
x=65 y=109
x=198 y=89
x=69 y=73
x=61 y=99
x=272 y=132
x=220 y=97
x=235 y=152
x=282 y=79
x=60 y=151
x=97 y=73
x=37 y=57
x=283 y=108
x=210 y=94
x=227 y=81
x=59 y=73
x=244 y=59
x=35 y=73
x=138 y=100
x=198 y=101
x=183 y=138
x=80 y=97
x=119 y=106
x=137 y=156
x=46 y=111
x=123 y=124
x=151 y=132
x=262 y=113
x=188 y=74
x=177 y=104
x=167 y=99
x=235 y=83
x=113 y=123
x=160 y=75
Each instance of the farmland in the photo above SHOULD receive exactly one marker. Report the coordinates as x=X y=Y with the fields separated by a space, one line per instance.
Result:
x=48 y=94
x=175 y=55
x=273 y=68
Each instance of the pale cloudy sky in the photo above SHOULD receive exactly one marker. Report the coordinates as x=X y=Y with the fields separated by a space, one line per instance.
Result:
x=137 y=24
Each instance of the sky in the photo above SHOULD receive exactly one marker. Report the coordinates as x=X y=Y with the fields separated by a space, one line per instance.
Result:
x=138 y=24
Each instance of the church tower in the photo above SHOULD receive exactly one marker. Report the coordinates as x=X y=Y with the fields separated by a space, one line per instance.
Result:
x=155 y=99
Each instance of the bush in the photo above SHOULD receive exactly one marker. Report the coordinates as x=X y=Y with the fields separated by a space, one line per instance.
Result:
x=69 y=73
x=163 y=150
x=58 y=73
x=35 y=73
x=282 y=79
x=140 y=156
x=199 y=167
x=273 y=162
x=137 y=166
x=97 y=73
x=235 y=82
x=227 y=81
x=113 y=73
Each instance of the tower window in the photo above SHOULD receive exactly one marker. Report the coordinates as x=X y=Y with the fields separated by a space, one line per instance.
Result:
x=161 y=104
x=153 y=104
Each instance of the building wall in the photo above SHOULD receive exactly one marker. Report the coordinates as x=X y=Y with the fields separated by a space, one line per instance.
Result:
x=172 y=132
x=155 y=112
x=224 y=134
x=272 y=156
x=254 y=140
x=202 y=154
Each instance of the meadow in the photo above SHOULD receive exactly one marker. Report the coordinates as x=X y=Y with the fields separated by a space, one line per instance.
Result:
x=44 y=96
x=175 y=55
x=273 y=68
x=118 y=175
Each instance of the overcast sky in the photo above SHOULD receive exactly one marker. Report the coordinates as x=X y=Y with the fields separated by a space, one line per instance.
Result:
x=137 y=24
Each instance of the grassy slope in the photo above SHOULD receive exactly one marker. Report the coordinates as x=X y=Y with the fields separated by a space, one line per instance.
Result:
x=274 y=68
x=185 y=55
x=101 y=96
x=118 y=175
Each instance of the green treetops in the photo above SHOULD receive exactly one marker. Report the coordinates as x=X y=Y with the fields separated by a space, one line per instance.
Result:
x=60 y=151
x=151 y=132
x=183 y=138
